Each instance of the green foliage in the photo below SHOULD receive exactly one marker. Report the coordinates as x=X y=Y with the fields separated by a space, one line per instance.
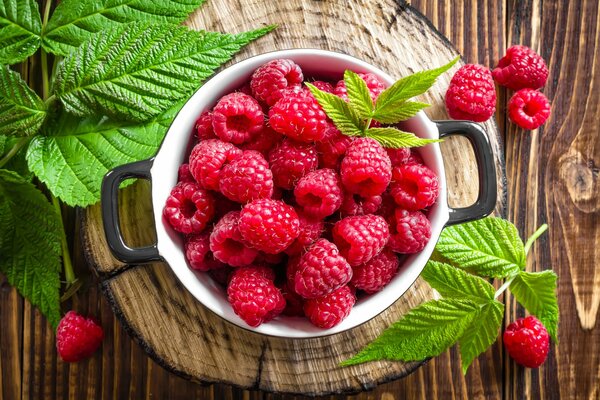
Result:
x=22 y=112
x=20 y=29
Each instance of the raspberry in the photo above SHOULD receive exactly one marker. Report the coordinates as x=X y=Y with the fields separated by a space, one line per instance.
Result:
x=299 y=116
x=254 y=298
x=290 y=161
x=269 y=225
x=324 y=86
x=398 y=156
x=373 y=83
x=366 y=168
x=294 y=303
x=260 y=271
x=247 y=178
x=319 y=193
x=198 y=255
x=204 y=129
x=378 y=272
x=270 y=79
x=328 y=311
x=227 y=244
x=521 y=68
x=237 y=117
x=321 y=270
x=360 y=238
x=263 y=141
x=409 y=231
x=471 y=94
x=354 y=204
x=528 y=108
x=184 y=174
x=527 y=342
x=189 y=208
x=310 y=231
x=208 y=158
x=332 y=148
x=77 y=337
x=414 y=186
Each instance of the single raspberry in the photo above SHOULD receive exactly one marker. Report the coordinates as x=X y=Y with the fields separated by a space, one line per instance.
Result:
x=198 y=254
x=375 y=86
x=221 y=275
x=354 y=204
x=260 y=271
x=366 y=168
x=528 y=108
x=294 y=303
x=77 y=337
x=290 y=161
x=324 y=86
x=269 y=225
x=189 y=208
x=321 y=270
x=254 y=298
x=204 y=129
x=471 y=94
x=378 y=272
x=360 y=238
x=414 y=187
x=271 y=78
x=332 y=148
x=247 y=178
x=409 y=231
x=208 y=158
x=319 y=193
x=227 y=244
x=237 y=117
x=299 y=116
x=184 y=174
x=328 y=311
x=527 y=341
x=398 y=156
x=263 y=142
x=521 y=68
x=310 y=231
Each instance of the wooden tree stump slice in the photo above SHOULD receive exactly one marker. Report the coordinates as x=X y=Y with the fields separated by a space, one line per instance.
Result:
x=188 y=339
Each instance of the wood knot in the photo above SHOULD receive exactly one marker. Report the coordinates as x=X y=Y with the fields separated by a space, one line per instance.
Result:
x=580 y=176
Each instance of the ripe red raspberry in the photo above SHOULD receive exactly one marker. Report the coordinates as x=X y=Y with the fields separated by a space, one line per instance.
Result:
x=294 y=303
x=398 y=156
x=184 y=174
x=198 y=254
x=373 y=83
x=227 y=244
x=254 y=298
x=332 y=148
x=354 y=204
x=204 y=129
x=527 y=342
x=521 y=68
x=260 y=271
x=471 y=94
x=378 y=272
x=528 y=108
x=328 y=311
x=319 y=193
x=269 y=225
x=247 y=178
x=323 y=86
x=299 y=116
x=290 y=161
x=189 y=208
x=409 y=231
x=414 y=186
x=321 y=270
x=77 y=337
x=237 y=117
x=270 y=79
x=360 y=238
x=263 y=141
x=366 y=168
x=208 y=158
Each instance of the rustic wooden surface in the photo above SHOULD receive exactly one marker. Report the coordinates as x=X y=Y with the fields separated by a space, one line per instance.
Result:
x=552 y=177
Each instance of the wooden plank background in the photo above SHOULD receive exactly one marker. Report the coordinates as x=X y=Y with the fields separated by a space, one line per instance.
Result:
x=552 y=177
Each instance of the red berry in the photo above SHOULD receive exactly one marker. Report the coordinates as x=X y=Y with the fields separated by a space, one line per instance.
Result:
x=189 y=208
x=247 y=178
x=208 y=158
x=290 y=161
x=414 y=158
x=237 y=117
x=270 y=79
x=263 y=141
x=332 y=148
x=528 y=108
x=414 y=186
x=354 y=204
x=269 y=225
x=521 y=68
x=324 y=86
x=261 y=271
x=373 y=83
x=398 y=156
x=409 y=231
x=527 y=342
x=184 y=174
x=227 y=244
x=366 y=168
x=471 y=94
x=198 y=254
x=299 y=116
x=77 y=337
x=321 y=270
x=328 y=311
x=310 y=231
x=377 y=272
x=319 y=193
x=204 y=129
x=360 y=238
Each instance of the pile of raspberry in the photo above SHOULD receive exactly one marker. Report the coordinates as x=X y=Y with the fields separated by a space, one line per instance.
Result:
x=289 y=214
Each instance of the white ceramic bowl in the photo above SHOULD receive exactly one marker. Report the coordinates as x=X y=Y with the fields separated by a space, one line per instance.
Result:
x=162 y=170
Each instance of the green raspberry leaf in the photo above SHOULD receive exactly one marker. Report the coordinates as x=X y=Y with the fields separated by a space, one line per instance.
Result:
x=489 y=247
x=402 y=112
x=22 y=112
x=395 y=138
x=481 y=334
x=452 y=282
x=426 y=331
x=536 y=291
x=20 y=29
x=75 y=21
x=136 y=71
x=30 y=234
x=358 y=94
x=343 y=116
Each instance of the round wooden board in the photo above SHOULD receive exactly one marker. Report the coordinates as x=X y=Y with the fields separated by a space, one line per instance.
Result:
x=188 y=339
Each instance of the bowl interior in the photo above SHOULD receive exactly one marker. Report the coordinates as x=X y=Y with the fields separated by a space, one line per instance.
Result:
x=174 y=150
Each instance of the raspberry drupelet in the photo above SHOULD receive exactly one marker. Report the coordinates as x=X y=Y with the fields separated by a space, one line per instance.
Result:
x=237 y=117
x=189 y=208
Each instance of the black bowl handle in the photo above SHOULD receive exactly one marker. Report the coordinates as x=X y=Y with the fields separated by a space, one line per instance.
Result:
x=110 y=213
x=486 y=200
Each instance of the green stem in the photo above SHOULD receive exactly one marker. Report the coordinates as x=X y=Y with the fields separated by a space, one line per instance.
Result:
x=367 y=126
x=15 y=149
x=505 y=285
x=68 y=265
x=44 y=55
x=535 y=235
